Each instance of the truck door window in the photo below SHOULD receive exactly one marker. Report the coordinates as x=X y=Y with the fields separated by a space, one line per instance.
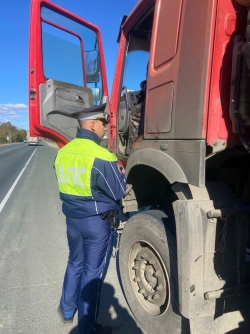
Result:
x=70 y=52
x=135 y=69
x=132 y=98
x=61 y=48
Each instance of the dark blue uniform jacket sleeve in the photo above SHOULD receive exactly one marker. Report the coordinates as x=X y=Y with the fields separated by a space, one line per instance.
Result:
x=107 y=178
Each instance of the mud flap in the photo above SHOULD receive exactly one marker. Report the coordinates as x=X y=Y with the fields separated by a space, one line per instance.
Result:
x=205 y=277
x=195 y=237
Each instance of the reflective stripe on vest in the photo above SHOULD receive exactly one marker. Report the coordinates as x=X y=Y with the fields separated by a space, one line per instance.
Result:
x=74 y=163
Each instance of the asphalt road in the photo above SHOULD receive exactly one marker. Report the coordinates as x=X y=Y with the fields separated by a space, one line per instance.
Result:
x=13 y=158
x=33 y=252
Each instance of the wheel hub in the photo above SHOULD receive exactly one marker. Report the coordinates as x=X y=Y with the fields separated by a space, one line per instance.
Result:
x=150 y=277
x=149 y=271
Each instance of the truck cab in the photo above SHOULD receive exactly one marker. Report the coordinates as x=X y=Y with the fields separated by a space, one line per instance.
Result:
x=179 y=124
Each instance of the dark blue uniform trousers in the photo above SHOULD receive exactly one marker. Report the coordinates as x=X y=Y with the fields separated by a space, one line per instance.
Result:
x=89 y=241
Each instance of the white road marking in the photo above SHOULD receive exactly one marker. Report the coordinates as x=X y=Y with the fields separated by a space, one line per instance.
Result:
x=4 y=201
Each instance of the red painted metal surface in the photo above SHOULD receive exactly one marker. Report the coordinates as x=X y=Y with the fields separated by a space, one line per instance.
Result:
x=210 y=62
x=135 y=14
x=114 y=100
x=162 y=69
x=230 y=21
x=36 y=76
x=116 y=93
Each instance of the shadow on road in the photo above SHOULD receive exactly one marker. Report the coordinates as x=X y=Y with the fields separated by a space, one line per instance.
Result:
x=113 y=314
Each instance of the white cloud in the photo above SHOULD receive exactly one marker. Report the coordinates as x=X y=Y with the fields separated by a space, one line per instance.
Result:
x=7 y=112
x=15 y=117
x=3 y=120
x=12 y=109
x=17 y=114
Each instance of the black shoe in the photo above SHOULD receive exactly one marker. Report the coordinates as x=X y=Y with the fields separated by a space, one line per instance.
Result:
x=103 y=329
x=64 y=320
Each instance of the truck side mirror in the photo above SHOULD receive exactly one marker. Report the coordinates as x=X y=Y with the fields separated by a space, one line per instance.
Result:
x=96 y=93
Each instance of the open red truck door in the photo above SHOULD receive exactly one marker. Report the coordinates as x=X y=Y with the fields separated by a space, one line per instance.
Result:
x=66 y=70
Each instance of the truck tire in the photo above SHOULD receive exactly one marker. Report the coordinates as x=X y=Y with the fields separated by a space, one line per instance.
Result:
x=148 y=269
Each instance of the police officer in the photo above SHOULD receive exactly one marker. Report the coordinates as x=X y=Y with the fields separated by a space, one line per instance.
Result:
x=90 y=185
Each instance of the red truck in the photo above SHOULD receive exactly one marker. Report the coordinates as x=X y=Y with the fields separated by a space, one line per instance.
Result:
x=182 y=249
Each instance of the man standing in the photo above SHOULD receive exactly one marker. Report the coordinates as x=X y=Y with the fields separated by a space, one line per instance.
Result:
x=90 y=185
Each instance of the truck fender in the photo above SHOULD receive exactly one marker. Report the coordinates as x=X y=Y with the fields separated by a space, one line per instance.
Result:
x=158 y=160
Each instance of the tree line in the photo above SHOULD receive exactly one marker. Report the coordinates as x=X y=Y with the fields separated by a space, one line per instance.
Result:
x=10 y=133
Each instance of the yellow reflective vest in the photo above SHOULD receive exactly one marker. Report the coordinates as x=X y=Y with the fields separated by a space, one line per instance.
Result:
x=73 y=166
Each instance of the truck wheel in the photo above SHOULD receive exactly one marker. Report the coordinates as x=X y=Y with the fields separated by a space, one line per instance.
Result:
x=148 y=268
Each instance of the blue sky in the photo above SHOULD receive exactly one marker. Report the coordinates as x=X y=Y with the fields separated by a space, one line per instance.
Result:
x=14 y=41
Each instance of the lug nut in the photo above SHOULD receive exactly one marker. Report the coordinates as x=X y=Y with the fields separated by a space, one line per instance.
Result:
x=157 y=273
x=152 y=261
x=144 y=256
x=135 y=267
x=142 y=290
x=159 y=288
x=155 y=297
x=137 y=279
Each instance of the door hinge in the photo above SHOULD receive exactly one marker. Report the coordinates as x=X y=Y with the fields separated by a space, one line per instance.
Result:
x=32 y=93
